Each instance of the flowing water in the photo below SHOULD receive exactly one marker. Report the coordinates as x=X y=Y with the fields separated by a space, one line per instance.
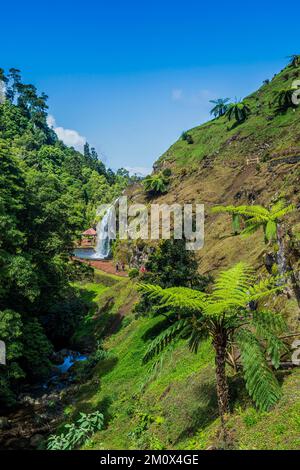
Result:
x=105 y=233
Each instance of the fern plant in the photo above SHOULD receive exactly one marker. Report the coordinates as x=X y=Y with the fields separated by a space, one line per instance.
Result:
x=220 y=106
x=76 y=434
x=257 y=217
x=238 y=111
x=284 y=100
x=155 y=184
x=224 y=315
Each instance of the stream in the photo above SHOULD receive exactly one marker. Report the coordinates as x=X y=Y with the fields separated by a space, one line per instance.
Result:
x=40 y=406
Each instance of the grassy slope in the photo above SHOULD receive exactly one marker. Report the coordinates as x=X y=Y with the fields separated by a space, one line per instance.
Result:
x=176 y=408
x=262 y=134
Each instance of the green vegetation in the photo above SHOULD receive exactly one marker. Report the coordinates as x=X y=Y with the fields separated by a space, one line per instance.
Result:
x=186 y=137
x=238 y=111
x=175 y=407
x=220 y=106
x=257 y=217
x=48 y=196
x=155 y=184
x=170 y=264
x=76 y=434
x=294 y=60
x=284 y=100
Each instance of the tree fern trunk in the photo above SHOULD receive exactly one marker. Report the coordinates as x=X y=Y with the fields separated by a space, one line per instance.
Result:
x=283 y=265
x=220 y=344
x=281 y=258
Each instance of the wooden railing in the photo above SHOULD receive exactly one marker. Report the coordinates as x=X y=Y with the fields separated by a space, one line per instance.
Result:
x=252 y=160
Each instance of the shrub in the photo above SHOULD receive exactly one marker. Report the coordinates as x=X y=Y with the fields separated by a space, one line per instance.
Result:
x=155 y=184
x=167 y=172
x=76 y=434
x=133 y=273
x=187 y=137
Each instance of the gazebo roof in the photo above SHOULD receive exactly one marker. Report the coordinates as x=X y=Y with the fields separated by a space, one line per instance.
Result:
x=89 y=231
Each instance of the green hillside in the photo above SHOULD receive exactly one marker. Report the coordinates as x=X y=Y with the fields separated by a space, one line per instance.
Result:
x=265 y=132
x=176 y=407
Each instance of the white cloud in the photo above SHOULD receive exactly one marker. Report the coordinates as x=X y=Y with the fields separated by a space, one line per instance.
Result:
x=138 y=170
x=70 y=137
x=195 y=98
x=176 y=94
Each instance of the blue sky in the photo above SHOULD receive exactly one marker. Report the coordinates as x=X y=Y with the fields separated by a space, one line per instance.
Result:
x=130 y=76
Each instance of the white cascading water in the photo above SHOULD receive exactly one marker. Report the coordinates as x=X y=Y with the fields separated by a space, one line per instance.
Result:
x=105 y=233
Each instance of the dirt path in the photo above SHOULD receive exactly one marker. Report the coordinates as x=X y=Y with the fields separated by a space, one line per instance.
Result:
x=104 y=265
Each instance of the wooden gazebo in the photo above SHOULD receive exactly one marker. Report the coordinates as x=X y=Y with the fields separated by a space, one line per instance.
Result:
x=88 y=237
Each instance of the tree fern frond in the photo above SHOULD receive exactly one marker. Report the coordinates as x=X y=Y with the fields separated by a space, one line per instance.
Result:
x=272 y=321
x=236 y=226
x=253 y=211
x=260 y=380
x=233 y=283
x=278 y=206
x=278 y=214
x=181 y=297
x=265 y=287
x=270 y=230
x=250 y=229
x=268 y=325
x=222 y=209
x=157 y=365
x=163 y=340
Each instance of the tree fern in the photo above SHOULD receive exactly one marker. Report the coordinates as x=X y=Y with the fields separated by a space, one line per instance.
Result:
x=224 y=315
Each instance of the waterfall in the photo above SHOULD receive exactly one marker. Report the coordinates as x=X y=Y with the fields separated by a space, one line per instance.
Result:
x=105 y=233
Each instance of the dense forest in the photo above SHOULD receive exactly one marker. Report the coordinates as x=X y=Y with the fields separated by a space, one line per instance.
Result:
x=48 y=194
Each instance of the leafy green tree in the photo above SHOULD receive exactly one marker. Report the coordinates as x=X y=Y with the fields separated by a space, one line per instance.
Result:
x=238 y=111
x=225 y=317
x=170 y=265
x=14 y=78
x=220 y=106
x=36 y=349
x=11 y=373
